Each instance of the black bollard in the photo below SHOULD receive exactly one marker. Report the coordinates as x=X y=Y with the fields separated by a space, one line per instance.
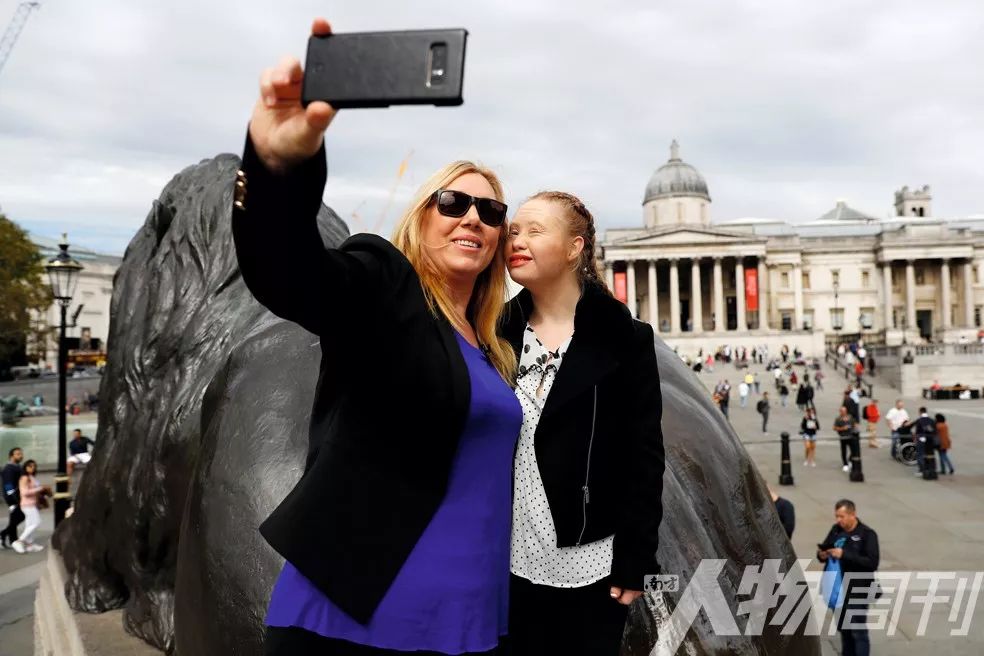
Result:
x=786 y=469
x=929 y=461
x=857 y=476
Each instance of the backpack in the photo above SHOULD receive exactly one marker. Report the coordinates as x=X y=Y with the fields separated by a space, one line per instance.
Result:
x=761 y=406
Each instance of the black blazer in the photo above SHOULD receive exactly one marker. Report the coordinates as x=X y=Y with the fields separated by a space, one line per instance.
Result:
x=599 y=442
x=393 y=392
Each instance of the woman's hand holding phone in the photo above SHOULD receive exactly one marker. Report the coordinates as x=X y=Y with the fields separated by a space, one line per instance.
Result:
x=284 y=132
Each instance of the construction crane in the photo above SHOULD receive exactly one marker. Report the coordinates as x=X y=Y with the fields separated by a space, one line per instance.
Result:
x=13 y=31
x=396 y=183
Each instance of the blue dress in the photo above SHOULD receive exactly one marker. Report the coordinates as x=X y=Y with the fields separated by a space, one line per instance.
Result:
x=451 y=595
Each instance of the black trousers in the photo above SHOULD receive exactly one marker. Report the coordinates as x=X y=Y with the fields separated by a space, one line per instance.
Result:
x=16 y=517
x=845 y=451
x=292 y=641
x=544 y=620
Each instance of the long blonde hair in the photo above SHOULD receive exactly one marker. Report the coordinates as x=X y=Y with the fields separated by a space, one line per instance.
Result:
x=488 y=297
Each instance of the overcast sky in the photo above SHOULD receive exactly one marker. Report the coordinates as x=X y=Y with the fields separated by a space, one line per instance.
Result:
x=784 y=107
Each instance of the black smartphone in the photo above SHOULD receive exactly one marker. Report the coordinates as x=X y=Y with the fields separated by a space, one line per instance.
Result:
x=379 y=69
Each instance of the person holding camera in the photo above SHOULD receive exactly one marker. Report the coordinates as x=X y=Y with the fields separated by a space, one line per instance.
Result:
x=846 y=427
x=396 y=538
x=854 y=545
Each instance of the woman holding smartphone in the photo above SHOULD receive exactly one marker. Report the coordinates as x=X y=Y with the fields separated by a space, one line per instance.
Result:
x=397 y=536
x=588 y=473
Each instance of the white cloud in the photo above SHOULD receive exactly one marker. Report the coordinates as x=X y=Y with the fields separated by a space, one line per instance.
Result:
x=784 y=107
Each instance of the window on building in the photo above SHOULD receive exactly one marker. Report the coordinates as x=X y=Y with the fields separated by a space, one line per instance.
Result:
x=866 y=279
x=786 y=319
x=835 y=277
x=867 y=318
x=806 y=280
x=784 y=279
x=920 y=276
x=837 y=318
x=977 y=316
x=807 y=319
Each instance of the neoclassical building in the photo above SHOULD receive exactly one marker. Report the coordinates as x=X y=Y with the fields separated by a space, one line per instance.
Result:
x=909 y=277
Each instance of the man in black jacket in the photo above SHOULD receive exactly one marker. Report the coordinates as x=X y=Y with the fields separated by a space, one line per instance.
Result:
x=11 y=474
x=855 y=545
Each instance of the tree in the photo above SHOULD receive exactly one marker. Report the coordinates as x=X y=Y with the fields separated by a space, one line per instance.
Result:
x=22 y=289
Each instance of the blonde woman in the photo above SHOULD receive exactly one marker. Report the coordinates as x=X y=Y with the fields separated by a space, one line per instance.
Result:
x=397 y=536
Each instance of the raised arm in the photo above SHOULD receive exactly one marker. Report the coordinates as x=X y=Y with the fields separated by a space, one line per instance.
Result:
x=277 y=198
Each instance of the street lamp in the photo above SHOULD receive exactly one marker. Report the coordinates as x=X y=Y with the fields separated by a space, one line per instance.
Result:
x=63 y=276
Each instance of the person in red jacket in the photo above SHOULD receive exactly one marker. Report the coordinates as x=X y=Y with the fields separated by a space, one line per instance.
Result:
x=872 y=415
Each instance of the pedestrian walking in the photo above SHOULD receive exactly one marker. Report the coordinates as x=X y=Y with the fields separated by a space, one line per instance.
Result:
x=801 y=397
x=943 y=432
x=724 y=392
x=758 y=383
x=852 y=547
x=11 y=474
x=846 y=427
x=33 y=496
x=783 y=394
x=743 y=390
x=872 y=415
x=851 y=404
x=819 y=378
x=808 y=430
x=763 y=409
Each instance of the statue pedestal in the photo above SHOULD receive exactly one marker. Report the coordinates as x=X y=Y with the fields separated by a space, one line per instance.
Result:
x=60 y=631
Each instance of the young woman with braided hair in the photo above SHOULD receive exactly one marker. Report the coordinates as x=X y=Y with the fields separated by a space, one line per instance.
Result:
x=588 y=469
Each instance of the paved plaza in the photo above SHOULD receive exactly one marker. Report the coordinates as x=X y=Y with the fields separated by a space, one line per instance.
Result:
x=921 y=525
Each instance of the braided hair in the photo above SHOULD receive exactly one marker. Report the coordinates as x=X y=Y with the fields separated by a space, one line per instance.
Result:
x=581 y=224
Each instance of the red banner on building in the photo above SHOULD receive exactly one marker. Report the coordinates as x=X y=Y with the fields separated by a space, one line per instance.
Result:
x=751 y=290
x=621 y=288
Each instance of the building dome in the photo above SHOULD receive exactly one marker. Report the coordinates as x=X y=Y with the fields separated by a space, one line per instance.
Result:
x=676 y=178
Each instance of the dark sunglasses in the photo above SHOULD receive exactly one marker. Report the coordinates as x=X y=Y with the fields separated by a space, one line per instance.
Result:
x=457 y=203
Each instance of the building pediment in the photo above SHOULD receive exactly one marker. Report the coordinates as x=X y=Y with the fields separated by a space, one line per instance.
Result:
x=687 y=235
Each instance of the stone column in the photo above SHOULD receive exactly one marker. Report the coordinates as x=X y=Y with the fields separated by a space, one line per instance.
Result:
x=945 y=293
x=740 y=294
x=797 y=297
x=763 y=305
x=610 y=275
x=910 y=295
x=696 y=300
x=968 y=294
x=653 y=297
x=674 y=297
x=632 y=301
x=773 y=287
x=719 y=319
x=889 y=308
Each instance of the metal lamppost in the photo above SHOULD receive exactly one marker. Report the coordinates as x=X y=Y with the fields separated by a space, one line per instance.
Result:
x=63 y=276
